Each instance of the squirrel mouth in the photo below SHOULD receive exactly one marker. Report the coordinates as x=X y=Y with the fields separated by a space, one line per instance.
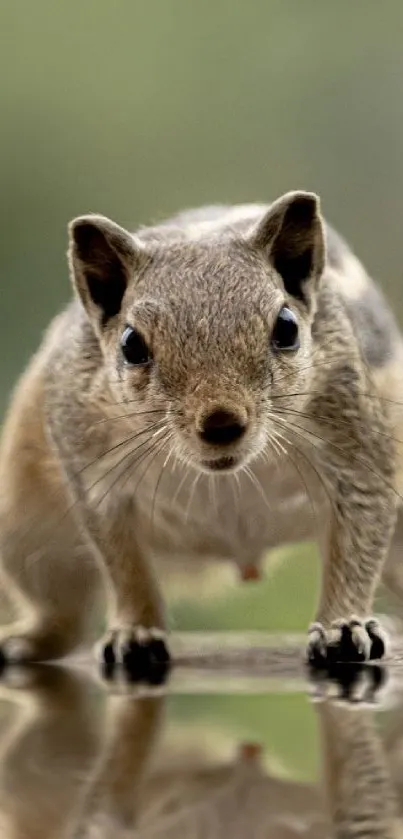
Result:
x=221 y=464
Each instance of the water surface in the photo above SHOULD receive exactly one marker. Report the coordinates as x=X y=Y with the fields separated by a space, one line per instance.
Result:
x=223 y=749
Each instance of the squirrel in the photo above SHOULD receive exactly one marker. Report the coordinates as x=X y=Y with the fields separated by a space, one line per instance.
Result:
x=224 y=382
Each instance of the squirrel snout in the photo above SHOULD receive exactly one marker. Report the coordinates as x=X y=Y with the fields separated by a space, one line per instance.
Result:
x=221 y=427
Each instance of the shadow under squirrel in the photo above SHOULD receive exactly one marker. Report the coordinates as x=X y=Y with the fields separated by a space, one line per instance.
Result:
x=225 y=382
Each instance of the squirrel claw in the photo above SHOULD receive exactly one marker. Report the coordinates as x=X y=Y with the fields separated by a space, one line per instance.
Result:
x=142 y=653
x=352 y=640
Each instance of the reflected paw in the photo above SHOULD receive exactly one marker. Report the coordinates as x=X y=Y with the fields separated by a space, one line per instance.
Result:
x=143 y=653
x=351 y=640
x=355 y=684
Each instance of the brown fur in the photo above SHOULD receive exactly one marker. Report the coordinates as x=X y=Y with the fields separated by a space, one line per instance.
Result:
x=101 y=461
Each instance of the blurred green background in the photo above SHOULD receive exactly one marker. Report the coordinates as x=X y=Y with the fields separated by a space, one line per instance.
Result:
x=138 y=109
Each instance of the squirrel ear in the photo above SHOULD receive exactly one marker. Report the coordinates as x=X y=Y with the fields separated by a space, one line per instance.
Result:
x=102 y=258
x=292 y=235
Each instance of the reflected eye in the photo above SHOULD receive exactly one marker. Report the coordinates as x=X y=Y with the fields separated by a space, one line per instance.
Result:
x=134 y=348
x=285 y=336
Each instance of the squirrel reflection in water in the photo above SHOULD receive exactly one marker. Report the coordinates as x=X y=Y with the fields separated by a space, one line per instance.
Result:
x=105 y=769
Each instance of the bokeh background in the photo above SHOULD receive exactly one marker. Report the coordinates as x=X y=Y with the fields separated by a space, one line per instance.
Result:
x=137 y=109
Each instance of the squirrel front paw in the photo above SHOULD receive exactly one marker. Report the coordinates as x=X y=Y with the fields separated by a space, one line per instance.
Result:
x=143 y=653
x=352 y=640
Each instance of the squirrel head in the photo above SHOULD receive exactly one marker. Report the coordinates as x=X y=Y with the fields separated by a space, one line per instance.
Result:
x=211 y=327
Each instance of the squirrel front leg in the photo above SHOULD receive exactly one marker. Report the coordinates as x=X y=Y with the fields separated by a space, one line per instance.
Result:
x=362 y=520
x=135 y=635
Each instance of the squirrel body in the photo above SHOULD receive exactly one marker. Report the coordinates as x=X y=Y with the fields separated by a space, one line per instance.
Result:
x=169 y=415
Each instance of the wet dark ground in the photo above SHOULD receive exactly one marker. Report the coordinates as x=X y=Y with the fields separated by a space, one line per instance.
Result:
x=241 y=741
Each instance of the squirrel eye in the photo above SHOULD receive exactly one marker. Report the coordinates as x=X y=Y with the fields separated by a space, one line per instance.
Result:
x=285 y=336
x=134 y=348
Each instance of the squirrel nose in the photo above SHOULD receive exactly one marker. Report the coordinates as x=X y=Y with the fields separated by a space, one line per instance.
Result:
x=221 y=427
